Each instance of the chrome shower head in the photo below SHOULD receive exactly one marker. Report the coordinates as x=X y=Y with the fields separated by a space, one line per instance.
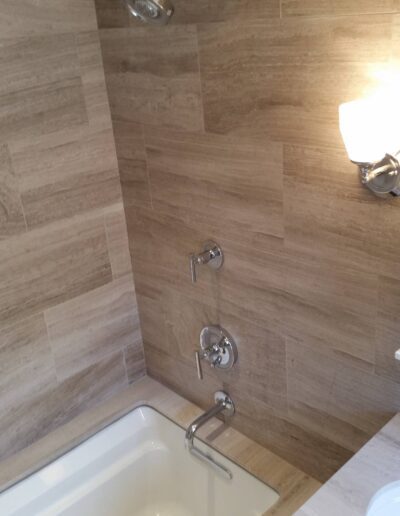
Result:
x=151 y=11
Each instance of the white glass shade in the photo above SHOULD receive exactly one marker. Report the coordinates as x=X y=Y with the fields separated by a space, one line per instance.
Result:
x=369 y=128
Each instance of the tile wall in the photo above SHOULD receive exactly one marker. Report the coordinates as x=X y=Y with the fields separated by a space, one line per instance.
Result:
x=69 y=327
x=226 y=128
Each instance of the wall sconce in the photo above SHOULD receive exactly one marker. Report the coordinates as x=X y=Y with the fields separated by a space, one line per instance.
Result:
x=371 y=134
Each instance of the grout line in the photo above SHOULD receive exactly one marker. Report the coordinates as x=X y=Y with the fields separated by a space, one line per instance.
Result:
x=200 y=81
x=149 y=187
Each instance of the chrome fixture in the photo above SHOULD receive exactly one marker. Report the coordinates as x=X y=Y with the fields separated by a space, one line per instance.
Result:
x=211 y=255
x=217 y=347
x=151 y=11
x=370 y=134
x=223 y=405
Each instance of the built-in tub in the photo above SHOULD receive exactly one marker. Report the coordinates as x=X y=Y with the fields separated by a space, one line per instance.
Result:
x=137 y=466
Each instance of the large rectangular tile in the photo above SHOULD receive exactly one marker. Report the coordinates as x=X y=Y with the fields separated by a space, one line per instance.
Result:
x=111 y=14
x=63 y=177
x=86 y=329
x=250 y=289
x=35 y=61
x=12 y=219
x=226 y=185
x=361 y=399
x=26 y=361
x=44 y=267
x=387 y=328
x=337 y=7
x=328 y=215
x=260 y=371
x=153 y=76
x=134 y=362
x=93 y=80
x=332 y=306
x=279 y=80
x=117 y=241
x=26 y=18
x=42 y=110
x=29 y=420
x=129 y=143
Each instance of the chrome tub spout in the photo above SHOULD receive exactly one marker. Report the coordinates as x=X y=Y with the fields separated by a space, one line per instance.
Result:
x=223 y=404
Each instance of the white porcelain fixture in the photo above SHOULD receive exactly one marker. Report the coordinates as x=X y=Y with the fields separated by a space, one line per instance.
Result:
x=138 y=466
x=386 y=501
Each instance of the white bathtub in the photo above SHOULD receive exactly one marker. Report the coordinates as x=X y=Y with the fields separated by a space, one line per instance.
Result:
x=138 y=466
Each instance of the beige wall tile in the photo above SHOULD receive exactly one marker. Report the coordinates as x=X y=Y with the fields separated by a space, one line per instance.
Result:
x=129 y=142
x=47 y=16
x=86 y=329
x=59 y=171
x=153 y=76
x=27 y=421
x=48 y=266
x=117 y=241
x=228 y=184
x=305 y=246
x=318 y=379
x=12 y=219
x=285 y=80
x=335 y=7
x=26 y=361
x=134 y=361
x=387 y=328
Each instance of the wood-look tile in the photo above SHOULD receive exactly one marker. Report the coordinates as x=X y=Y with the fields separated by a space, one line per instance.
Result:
x=117 y=241
x=26 y=362
x=289 y=440
x=93 y=80
x=134 y=362
x=65 y=173
x=27 y=421
x=85 y=329
x=334 y=307
x=129 y=143
x=251 y=290
x=278 y=80
x=26 y=18
x=226 y=185
x=42 y=110
x=209 y=11
x=36 y=61
x=153 y=76
x=387 y=328
x=71 y=196
x=259 y=349
x=111 y=14
x=361 y=399
x=328 y=215
x=337 y=7
x=48 y=266
x=12 y=219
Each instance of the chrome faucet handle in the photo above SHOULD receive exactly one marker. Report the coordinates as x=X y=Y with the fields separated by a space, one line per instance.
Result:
x=198 y=365
x=192 y=263
x=217 y=347
x=211 y=255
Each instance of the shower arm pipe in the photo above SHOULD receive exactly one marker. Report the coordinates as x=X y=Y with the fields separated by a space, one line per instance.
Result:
x=223 y=403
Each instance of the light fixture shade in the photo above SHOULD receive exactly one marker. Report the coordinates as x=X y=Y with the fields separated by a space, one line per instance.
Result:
x=369 y=128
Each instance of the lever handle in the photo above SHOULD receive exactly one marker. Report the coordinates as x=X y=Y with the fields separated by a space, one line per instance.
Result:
x=192 y=263
x=198 y=365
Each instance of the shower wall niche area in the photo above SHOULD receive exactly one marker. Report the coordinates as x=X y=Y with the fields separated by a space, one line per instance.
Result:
x=225 y=122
